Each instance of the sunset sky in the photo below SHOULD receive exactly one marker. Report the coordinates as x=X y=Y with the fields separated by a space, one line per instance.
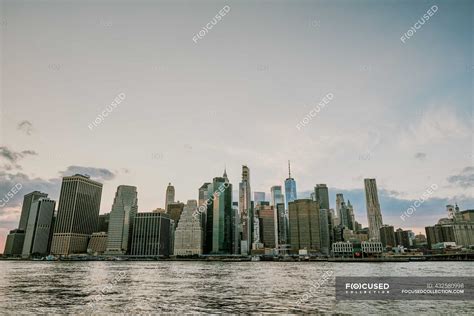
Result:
x=401 y=112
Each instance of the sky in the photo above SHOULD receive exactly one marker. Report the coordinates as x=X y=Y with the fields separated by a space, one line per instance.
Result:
x=401 y=111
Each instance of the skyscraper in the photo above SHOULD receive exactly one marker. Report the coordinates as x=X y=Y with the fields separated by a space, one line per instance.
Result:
x=28 y=199
x=283 y=229
x=276 y=195
x=38 y=230
x=236 y=228
x=152 y=235
x=304 y=226
x=78 y=214
x=374 y=214
x=175 y=210
x=219 y=218
x=324 y=231
x=339 y=202
x=124 y=210
x=290 y=188
x=169 y=196
x=203 y=201
x=322 y=196
x=188 y=235
x=268 y=225
x=387 y=236
x=245 y=209
x=350 y=216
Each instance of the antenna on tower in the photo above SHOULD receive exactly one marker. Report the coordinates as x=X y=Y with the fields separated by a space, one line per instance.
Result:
x=289 y=170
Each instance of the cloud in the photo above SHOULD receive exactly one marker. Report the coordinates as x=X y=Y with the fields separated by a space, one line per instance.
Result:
x=8 y=181
x=99 y=174
x=436 y=125
x=420 y=156
x=392 y=206
x=25 y=126
x=465 y=179
x=13 y=157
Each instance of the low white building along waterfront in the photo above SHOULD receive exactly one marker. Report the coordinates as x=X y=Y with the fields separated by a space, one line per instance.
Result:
x=188 y=234
x=343 y=249
x=372 y=248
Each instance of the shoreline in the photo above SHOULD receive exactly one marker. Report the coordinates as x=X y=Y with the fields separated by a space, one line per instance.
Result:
x=463 y=257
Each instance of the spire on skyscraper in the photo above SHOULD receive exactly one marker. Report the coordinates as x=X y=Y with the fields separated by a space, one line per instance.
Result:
x=225 y=173
x=289 y=170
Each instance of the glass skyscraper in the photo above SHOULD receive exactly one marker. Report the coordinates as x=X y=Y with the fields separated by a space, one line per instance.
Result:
x=290 y=188
x=123 y=212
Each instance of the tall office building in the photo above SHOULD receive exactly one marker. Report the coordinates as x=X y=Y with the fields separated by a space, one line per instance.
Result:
x=276 y=195
x=28 y=199
x=305 y=226
x=14 y=243
x=203 y=201
x=152 y=235
x=245 y=209
x=350 y=216
x=124 y=210
x=339 y=204
x=283 y=227
x=169 y=196
x=258 y=197
x=374 y=214
x=236 y=229
x=39 y=228
x=402 y=238
x=387 y=236
x=290 y=188
x=219 y=218
x=175 y=210
x=321 y=195
x=324 y=231
x=268 y=223
x=78 y=214
x=188 y=235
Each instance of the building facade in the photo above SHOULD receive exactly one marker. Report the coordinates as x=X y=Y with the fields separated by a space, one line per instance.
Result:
x=97 y=243
x=78 y=215
x=246 y=212
x=387 y=236
x=28 y=199
x=153 y=235
x=374 y=215
x=14 y=243
x=124 y=210
x=188 y=235
x=290 y=188
x=268 y=225
x=304 y=222
x=169 y=198
x=39 y=229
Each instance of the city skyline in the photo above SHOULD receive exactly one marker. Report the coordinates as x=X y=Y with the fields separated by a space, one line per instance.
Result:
x=397 y=114
x=362 y=216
